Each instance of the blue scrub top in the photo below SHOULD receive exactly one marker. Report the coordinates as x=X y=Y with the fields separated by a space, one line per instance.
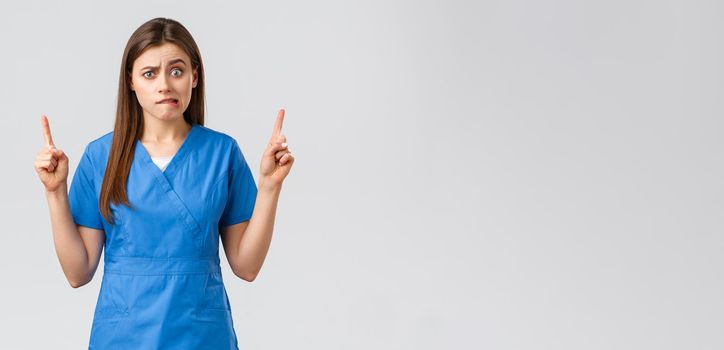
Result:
x=162 y=286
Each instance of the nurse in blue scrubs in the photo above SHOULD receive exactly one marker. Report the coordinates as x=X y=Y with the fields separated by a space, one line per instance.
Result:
x=159 y=193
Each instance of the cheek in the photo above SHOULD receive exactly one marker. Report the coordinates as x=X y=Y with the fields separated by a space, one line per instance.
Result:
x=183 y=87
x=144 y=95
x=183 y=84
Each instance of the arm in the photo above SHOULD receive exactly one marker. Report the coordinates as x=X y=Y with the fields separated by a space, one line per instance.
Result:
x=246 y=244
x=78 y=247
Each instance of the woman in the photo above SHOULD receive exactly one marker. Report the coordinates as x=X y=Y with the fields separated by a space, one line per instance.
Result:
x=156 y=193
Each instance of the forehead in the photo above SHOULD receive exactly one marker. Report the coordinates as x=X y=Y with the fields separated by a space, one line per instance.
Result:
x=159 y=55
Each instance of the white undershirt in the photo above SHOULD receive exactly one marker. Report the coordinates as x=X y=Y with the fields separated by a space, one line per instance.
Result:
x=161 y=162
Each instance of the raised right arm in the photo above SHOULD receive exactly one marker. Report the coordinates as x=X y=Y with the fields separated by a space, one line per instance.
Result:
x=78 y=247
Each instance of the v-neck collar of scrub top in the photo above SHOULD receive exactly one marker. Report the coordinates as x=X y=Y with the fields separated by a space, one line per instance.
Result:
x=176 y=160
x=165 y=180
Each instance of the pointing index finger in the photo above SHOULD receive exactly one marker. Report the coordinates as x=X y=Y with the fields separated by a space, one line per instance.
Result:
x=278 y=124
x=46 y=131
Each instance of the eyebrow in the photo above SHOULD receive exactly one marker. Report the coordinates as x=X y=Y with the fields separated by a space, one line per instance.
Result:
x=169 y=63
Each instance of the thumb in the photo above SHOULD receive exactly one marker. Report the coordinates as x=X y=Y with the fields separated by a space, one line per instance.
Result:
x=59 y=153
x=62 y=166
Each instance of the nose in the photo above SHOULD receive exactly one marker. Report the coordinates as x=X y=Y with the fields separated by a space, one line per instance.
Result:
x=162 y=83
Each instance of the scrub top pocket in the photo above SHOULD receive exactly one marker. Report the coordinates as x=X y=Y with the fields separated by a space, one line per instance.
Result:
x=111 y=305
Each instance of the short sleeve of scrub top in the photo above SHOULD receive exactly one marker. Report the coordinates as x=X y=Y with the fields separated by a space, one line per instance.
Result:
x=82 y=195
x=242 y=190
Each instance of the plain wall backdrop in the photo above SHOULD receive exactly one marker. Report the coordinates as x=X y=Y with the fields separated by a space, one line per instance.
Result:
x=469 y=175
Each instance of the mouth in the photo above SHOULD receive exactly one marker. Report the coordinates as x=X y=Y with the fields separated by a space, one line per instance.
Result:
x=168 y=100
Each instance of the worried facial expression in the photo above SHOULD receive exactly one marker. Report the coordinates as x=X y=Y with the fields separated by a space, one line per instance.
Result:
x=163 y=79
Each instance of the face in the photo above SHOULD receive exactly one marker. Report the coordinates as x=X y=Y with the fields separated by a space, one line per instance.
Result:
x=163 y=80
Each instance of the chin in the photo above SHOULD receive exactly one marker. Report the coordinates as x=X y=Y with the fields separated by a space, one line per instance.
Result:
x=168 y=116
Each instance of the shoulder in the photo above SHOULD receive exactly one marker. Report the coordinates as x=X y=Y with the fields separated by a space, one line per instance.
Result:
x=97 y=150
x=207 y=139
x=102 y=144
x=215 y=138
x=101 y=141
x=221 y=146
x=214 y=135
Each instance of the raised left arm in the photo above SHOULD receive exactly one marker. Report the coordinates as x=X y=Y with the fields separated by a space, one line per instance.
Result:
x=246 y=244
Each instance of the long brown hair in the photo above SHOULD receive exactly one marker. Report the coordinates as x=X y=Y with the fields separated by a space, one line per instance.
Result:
x=129 y=114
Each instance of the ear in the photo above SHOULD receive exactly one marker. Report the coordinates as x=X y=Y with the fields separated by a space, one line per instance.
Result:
x=196 y=78
x=130 y=81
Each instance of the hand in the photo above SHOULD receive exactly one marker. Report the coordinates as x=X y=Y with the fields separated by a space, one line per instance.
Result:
x=51 y=164
x=277 y=159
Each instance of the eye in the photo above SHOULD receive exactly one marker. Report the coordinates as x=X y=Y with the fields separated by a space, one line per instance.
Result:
x=146 y=76
x=176 y=70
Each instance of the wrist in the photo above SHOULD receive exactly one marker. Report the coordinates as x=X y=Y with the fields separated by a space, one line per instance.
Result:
x=60 y=191
x=269 y=188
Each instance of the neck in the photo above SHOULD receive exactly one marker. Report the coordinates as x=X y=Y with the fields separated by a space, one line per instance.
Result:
x=163 y=131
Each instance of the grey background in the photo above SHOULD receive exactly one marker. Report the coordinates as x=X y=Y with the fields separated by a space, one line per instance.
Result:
x=469 y=175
